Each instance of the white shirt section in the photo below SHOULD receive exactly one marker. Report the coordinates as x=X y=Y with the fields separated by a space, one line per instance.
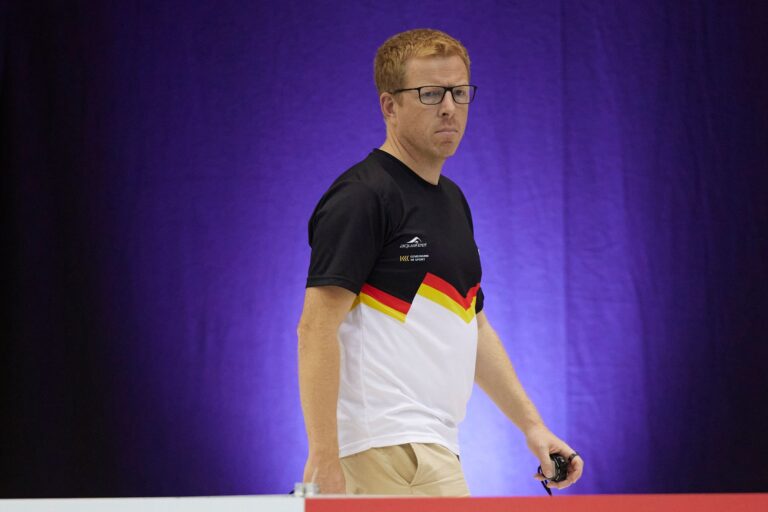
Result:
x=404 y=382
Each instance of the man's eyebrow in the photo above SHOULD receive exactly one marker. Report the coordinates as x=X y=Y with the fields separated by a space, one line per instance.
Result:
x=447 y=83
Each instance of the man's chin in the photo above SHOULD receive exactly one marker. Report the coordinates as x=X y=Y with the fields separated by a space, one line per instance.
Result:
x=447 y=150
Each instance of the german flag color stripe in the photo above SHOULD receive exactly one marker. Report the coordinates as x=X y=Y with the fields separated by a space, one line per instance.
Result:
x=432 y=287
x=384 y=302
x=441 y=292
x=445 y=287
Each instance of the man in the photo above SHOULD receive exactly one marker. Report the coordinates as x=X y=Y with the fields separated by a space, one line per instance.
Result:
x=392 y=334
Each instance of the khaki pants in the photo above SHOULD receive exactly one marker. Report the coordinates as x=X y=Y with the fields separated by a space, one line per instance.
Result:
x=406 y=469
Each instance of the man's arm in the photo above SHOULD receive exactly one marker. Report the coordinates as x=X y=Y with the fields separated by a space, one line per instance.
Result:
x=495 y=374
x=324 y=309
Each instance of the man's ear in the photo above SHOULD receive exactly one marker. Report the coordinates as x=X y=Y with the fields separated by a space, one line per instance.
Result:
x=387 y=103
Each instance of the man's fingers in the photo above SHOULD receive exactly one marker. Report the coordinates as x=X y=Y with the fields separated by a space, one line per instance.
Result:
x=574 y=473
x=575 y=469
x=543 y=443
x=548 y=468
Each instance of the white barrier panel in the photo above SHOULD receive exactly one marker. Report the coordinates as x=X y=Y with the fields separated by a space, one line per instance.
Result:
x=193 y=504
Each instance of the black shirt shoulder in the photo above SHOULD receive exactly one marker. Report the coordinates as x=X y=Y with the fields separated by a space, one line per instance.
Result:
x=351 y=223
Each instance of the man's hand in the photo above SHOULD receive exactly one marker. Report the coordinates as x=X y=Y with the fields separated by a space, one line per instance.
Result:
x=327 y=474
x=542 y=443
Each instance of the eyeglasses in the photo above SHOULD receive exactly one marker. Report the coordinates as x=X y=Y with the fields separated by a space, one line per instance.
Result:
x=434 y=94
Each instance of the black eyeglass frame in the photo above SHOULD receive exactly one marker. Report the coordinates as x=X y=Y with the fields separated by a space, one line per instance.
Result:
x=473 y=92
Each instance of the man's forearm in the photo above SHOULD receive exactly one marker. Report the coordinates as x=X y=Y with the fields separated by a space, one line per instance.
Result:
x=496 y=375
x=319 y=388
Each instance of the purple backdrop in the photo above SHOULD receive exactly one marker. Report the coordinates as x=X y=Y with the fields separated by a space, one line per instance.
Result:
x=160 y=161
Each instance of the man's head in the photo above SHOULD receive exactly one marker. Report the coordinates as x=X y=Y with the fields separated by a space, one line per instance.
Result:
x=418 y=58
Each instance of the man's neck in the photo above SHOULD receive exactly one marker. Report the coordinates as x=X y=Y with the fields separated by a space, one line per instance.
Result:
x=428 y=169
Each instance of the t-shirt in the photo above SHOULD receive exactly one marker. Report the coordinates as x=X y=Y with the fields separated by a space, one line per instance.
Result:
x=408 y=344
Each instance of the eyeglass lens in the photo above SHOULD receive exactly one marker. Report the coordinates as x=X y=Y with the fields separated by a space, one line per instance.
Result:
x=434 y=95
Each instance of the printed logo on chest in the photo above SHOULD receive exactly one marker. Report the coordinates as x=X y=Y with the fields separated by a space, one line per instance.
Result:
x=415 y=242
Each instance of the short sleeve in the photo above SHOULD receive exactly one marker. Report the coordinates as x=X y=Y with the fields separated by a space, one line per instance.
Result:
x=480 y=297
x=479 y=300
x=346 y=233
x=467 y=211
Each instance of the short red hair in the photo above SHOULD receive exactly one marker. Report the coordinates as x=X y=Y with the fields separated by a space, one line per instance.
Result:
x=389 y=64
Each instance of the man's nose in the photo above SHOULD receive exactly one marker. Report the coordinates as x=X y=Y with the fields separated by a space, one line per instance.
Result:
x=447 y=106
